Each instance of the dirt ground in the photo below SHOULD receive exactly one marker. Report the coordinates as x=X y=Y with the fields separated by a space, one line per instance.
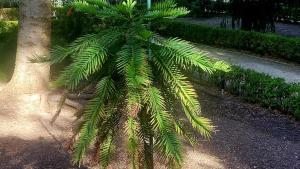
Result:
x=248 y=136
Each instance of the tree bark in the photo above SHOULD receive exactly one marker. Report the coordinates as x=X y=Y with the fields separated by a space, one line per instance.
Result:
x=33 y=40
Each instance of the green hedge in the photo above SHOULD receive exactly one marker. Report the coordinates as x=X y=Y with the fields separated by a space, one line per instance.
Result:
x=260 y=43
x=260 y=88
x=9 y=14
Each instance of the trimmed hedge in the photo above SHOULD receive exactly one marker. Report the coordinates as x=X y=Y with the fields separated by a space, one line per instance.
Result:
x=260 y=43
x=260 y=88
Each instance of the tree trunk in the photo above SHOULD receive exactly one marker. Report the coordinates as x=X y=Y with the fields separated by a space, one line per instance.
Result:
x=25 y=112
x=33 y=40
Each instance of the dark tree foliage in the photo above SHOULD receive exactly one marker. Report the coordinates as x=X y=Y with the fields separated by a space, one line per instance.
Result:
x=258 y=15
x=289 y=11
x=9 y=3
x=206 y=8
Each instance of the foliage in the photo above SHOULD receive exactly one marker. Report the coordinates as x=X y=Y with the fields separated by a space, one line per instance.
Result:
x=71 y=24
x=289 y=11
x=255 y=15
x=9 y=3
x=8 y=41
x=7 y=26
x=206 y=8
x=260 y=88
x=9 y=14
x=139 y=76
x=260 y=43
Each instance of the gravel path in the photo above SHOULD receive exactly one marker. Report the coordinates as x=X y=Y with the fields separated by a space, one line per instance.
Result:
x=285 y=29
x=248 y=137
x=288 y=71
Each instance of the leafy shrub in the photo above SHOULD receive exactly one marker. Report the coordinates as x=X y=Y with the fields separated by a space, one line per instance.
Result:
x=260 y=43
x=260 y=88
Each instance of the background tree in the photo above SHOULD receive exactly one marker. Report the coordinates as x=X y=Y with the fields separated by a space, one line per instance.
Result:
x=258 y=15
x=33 y=39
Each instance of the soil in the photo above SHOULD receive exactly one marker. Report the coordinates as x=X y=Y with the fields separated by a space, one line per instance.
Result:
x=247 y=136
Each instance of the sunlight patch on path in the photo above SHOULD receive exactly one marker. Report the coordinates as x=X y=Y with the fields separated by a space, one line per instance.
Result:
x=21 y=117
x=200 y=160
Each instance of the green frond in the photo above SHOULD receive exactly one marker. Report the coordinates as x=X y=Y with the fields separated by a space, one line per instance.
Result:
x=129 y=4
x=91 y=60
x=222 y=66
x=106 y=87
x=169 y=13
x=99 y=3
x=131 y=129
x=106 y=38
x=164 y=5
x=125 y=56
x=146 y=136
x=201 y=124
x=162 y=123
x=58 y=54
x=185 y=55
x=137 y=70
x=107 y=148
x=185 y=92
x=89 y=54
x=84 y=7
x=133 y=64
x=183 y=131
x=110 y=14
x=81 y=43
x=89 y=130
x=93 y=114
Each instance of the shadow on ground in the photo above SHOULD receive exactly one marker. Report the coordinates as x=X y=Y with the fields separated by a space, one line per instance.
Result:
x=248 y=137
x=16 y=153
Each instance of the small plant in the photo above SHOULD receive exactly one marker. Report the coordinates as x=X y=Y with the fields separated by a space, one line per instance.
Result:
x=139 y=81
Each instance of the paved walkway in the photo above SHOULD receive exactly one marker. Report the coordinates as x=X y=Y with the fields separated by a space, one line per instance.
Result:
x=288 y=71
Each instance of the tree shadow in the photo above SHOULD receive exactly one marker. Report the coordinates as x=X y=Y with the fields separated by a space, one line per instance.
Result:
x=16 y=153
